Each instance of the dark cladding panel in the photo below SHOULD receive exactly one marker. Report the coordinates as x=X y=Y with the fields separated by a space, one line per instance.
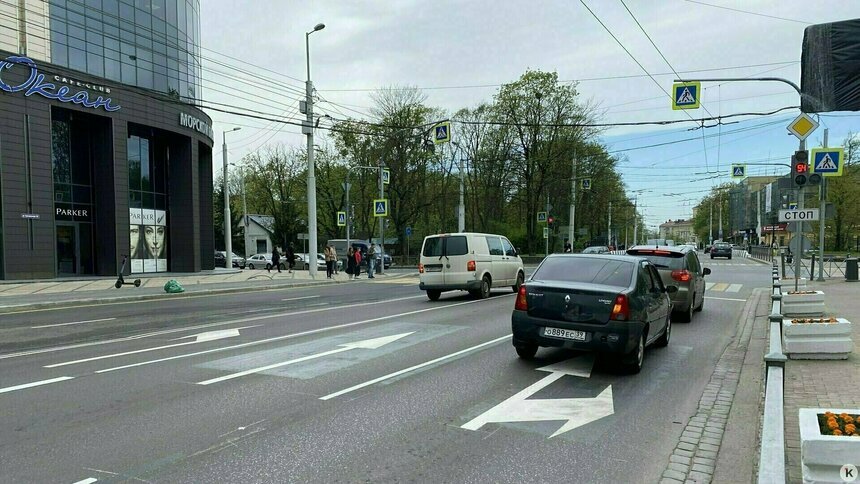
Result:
x=207 y=224
x=183 y=226
x=830 y=67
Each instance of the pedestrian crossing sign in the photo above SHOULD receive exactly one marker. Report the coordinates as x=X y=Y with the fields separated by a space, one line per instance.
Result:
x=686 y=95
x=341 y=219
x=541 y=217
x=380 y=207
x=442 y=133
x=739 y=171
x=585 y=183
x=386 y=177
x=827 y=161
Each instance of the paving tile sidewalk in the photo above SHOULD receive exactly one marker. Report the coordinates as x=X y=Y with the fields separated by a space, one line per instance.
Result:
x=823 y=383
x=18 y=296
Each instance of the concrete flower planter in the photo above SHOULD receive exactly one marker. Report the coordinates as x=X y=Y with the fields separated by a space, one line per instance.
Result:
x=822 y=456
x=788 y=283
x=803 y=304
x=817 y=341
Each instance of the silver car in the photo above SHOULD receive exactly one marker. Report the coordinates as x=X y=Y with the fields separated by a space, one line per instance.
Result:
x=678 y=266
x=263 y=261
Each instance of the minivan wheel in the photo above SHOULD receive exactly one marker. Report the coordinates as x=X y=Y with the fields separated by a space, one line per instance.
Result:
x=527 y=352
x=485 y=288
x=433 y=294
x=632 y=361
x=520 y=278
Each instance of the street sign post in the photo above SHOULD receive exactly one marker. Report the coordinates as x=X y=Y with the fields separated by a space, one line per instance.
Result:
x=827 y=161
x=686 y=95
x=541 y=217
x=802 y=126
x=380 y=207
x=442 y=133
x=799 y=215
x=341 y=219
x=739 y=170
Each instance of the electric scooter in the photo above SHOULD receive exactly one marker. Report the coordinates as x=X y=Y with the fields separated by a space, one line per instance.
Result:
x=120 y=281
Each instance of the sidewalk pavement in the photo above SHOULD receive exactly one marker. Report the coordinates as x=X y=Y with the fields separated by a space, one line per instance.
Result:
x=19 y=296
x=822 y=383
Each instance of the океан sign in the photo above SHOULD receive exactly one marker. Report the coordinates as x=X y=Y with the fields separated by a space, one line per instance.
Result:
x=36 y=84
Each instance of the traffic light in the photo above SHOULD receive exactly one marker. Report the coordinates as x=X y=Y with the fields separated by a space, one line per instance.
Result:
x=549 y=221
x=800 y=168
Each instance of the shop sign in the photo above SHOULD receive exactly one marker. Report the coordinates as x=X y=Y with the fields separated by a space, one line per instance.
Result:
x=774 y=228
x=36 y=84
x=70 y=212
x=189 y=121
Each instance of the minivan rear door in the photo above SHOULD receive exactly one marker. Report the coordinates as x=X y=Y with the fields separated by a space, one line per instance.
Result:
x=433 y=260
x=455 y=260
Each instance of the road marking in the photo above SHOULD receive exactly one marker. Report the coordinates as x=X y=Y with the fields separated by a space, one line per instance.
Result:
x=199 y=338
x=300 y=298
x=192 y=328
x=35 y=384
x=576 y=411
x=412 y=368
x=725 y=299
x=368 y=344
x=734 y=288
x=718 y=287
x=88 y=480
x=69 y=324
x=294 y=335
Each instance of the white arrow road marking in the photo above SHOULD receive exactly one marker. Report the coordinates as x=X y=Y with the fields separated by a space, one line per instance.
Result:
x=35 y=384
x=412 y=368
x=88 y=480
x=199 y=338
x=576 y=411
x=368 y=344
x=73 y=322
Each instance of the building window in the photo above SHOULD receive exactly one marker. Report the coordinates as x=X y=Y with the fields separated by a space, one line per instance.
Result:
x=147 y=183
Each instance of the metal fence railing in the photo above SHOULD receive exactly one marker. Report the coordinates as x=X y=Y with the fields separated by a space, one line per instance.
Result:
x=771 y=465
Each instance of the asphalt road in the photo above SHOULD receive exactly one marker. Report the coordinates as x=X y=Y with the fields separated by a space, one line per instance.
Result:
x=356 y=382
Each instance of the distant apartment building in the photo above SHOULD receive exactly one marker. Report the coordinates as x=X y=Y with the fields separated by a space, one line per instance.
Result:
x=680 y=231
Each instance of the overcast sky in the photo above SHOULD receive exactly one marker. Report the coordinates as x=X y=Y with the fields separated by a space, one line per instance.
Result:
x=461 y=51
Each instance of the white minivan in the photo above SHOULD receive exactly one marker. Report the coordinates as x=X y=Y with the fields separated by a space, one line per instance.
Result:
x=468 y=262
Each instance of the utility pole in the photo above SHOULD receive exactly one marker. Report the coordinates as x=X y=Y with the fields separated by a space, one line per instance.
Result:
x=228 y=236
x=381 y=223
x=244 y=213
x=609 y=226
x=822 y=198
x=571 y=230
x=546 y=240
x=799 y=232
x=348 y=209
x=461 y=211
x=635 y=223
x=720 y=230
x=711 y=225
x=308 y=129
x=758 y=217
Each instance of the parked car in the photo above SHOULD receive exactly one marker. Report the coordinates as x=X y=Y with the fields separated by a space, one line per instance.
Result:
x=596 y=249
x=679 y=266
x=468 y=262
x=604 y=303
x=221 y=260
x=721 y=249
x=303 y=260
x=263 y=261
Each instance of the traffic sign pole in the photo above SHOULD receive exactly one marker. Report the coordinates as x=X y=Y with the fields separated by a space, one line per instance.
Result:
x=381 y=224
x=822 y=197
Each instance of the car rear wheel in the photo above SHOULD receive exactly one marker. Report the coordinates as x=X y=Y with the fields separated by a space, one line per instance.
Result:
x=251 y=266
x=632 y=361
x=701 y=305
x=687 y=316
x=527 y=352
x=268 y=267
x=484 y=291
x=663 y=340
x=520 y=279
x=433 y=294
x=282 y=266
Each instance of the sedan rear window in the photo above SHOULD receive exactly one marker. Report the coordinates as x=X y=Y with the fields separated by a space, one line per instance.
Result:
x=439 y=246
x=586 y=269
x=665 y=259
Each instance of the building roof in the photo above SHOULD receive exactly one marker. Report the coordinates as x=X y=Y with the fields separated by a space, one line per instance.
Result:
x=267 y=222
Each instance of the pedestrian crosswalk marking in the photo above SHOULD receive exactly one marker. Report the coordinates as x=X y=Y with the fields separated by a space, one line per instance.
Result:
x=686 y=97
x=734 y=288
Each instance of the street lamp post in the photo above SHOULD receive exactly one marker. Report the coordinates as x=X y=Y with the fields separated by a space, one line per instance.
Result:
x=309 y=131
x=228 y=244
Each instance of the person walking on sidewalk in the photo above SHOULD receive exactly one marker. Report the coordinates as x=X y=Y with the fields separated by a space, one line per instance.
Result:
x=371 y=260
x=276 y=260
x=357 y=256
x=329 y=261
x=350 y=263
x=334 y=258
x=291 y=257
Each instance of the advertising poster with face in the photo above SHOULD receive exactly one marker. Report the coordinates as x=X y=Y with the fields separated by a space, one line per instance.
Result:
x=137 y=250
x=160 y=239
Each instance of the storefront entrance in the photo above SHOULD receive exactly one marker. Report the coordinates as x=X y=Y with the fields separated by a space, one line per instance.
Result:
x=74 y=249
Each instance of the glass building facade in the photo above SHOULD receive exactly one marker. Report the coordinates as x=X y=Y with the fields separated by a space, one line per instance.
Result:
x=151 y=44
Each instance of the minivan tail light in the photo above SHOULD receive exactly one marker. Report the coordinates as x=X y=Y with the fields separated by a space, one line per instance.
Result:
x=621 y=309
x=421 y=268
x=521 y=304
x=681 y=275
x=471 y=266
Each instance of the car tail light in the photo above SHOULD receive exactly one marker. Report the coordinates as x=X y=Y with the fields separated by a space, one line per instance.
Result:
x=421 y=268
x=521 y=304
x=682 y=275
x=471 y=266
x=621 y=309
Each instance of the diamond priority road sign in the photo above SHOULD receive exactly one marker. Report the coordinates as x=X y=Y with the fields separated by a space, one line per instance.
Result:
x=802 y=126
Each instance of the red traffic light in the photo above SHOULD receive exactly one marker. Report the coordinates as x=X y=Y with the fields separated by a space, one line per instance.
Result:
x=801 y=167
x=550 y=220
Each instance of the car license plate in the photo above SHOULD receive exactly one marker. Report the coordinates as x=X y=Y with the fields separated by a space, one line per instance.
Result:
x=433 y=268
x=564 y=334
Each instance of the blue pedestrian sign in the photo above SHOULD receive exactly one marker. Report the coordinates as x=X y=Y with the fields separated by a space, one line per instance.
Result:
x=792 y=205
x=442 y=133
x=380 y=207
x=341 y=219
x=408 y=231
x=827 y=161
x=739 y=171
x=686 y=95
x=386 y=177
x=585 y=183
x=541 y=217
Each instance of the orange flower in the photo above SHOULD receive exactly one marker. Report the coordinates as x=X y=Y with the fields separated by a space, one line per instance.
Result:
x=848 y=419
x=850 y=428
x=837 y=432
x=832 y=425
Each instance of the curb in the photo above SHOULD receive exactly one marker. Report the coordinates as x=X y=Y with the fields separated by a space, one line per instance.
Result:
x=16 y=308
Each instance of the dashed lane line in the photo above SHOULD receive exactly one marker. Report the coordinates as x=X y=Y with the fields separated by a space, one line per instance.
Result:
x=35 y=384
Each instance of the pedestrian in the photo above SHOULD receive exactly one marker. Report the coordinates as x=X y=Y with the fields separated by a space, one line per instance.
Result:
x=567 y=247
x=291 y=257
x=329 y=260
x=357 y=257
x=371 y=260
x=350 y=263
x=334 y=258
x=276 y=260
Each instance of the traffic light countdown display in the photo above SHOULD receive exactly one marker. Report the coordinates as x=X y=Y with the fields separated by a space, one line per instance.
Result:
x=800 y=170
